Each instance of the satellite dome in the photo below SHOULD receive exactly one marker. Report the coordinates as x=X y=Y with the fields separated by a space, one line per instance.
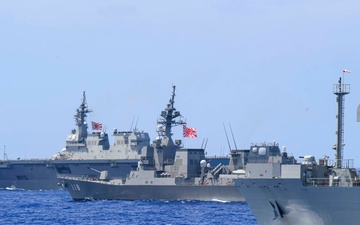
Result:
x=203 y=163
x=159 y=128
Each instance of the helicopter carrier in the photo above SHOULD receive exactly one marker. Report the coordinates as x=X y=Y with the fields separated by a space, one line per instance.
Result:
x=324 y=192
x=84 y=154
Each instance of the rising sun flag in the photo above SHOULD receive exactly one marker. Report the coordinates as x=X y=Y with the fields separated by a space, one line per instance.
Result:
x=189 y=132
x=96 y=126
x=346 y=71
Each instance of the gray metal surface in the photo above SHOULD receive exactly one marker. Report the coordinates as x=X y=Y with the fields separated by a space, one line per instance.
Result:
x=145 y=183
x=307 y=193
x=83 y=152
x=81 y=190
x=288 y=201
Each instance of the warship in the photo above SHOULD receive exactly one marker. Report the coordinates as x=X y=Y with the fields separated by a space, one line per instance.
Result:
x=185 y=180
x=84 y=154
x=324 y=192
x=167 y=171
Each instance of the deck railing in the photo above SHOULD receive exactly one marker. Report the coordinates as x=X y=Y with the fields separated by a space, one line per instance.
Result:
x=325 y=182
x=345 y=163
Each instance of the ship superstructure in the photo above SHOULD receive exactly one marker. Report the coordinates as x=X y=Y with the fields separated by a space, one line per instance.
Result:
x=326 y=192
x=83 y=145
x=84 y=154
x=166 y=171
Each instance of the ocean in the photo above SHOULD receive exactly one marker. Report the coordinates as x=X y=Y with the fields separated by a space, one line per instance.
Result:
x=57 y=207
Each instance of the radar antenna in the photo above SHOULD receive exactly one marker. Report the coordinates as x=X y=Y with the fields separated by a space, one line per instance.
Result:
x=80 y=118
x=169 y=116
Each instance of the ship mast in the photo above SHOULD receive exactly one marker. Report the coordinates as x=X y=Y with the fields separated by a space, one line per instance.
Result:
x=5 y=155
x=80 y=118
x=165 y=146
x=169 y=116
x=340 y=90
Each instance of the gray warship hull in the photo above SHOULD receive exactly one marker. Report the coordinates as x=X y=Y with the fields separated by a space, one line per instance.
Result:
x=87 y=190
x=327 y=192
x=42 y=174
x=288 y=201
x=27 y=174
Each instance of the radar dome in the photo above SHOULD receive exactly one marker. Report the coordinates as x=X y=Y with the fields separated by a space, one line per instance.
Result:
x=203 y=163
x=159 y=128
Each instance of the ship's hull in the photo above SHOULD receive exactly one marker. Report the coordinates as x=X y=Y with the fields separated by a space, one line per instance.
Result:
x=82 y=190
x=42 y=174
x=287 y=201
x=27 y=174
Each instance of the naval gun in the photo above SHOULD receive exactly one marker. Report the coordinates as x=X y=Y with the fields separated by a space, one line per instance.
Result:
x=103 y=174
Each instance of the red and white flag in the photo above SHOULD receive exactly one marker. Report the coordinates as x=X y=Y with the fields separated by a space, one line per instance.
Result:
x=96 y=126
x=189 y=132
x=346 y=71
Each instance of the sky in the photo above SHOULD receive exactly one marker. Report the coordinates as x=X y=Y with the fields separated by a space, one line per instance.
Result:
x=267 y=68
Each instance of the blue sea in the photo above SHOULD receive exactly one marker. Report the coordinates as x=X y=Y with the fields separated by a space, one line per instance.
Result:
x=57 y=207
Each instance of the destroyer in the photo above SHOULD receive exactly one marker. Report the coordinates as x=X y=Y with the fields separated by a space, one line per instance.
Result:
x=309 y=193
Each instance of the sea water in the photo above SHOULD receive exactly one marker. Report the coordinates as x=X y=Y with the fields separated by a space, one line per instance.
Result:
x=57 y=207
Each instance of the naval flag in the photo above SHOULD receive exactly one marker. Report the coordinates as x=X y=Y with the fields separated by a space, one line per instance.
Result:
x=189 y=132
x=346 y=71
x=96 y=126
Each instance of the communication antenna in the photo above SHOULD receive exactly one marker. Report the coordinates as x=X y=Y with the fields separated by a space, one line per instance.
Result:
x=136 y=123
x=5 y=155
x=233 y=136
x=202 y=144
x=227 y=138
x=105 y=129
x=206 y=143
x=132 y=122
